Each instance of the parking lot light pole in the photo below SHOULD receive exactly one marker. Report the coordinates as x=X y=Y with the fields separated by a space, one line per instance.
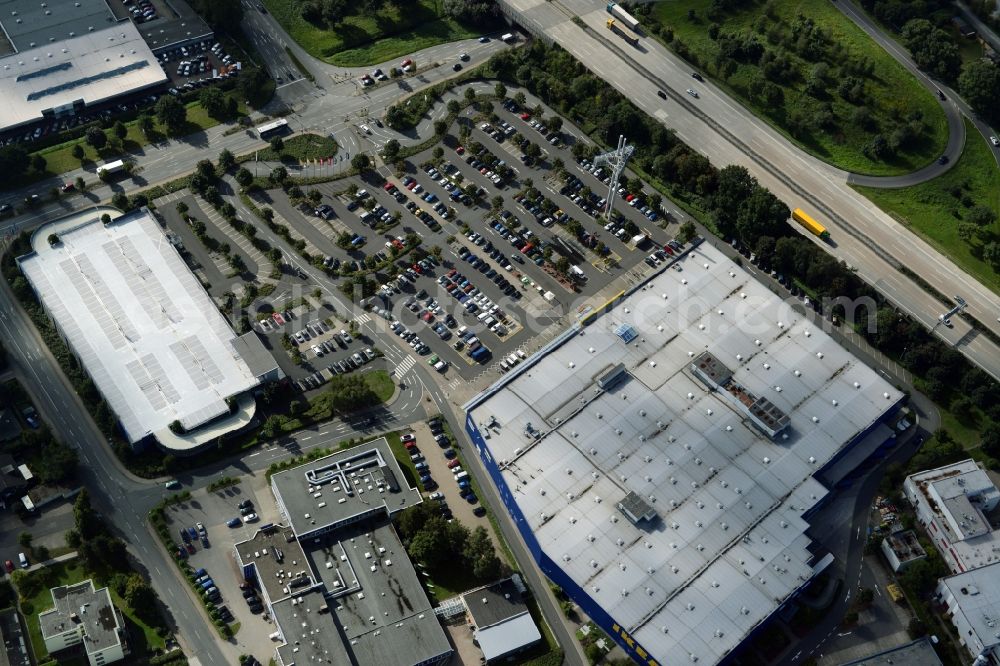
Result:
x=616 y=159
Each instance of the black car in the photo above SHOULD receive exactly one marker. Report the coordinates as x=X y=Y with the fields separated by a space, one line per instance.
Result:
x=661 y=94
x=479 y=511
x=457 y=67
x=697 y=77
x=943 y=159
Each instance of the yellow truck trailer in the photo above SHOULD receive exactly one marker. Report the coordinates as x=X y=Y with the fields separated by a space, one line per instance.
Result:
x=811 y=225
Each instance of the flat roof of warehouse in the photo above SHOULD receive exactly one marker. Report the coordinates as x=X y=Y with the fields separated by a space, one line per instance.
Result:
x=342 y=485
x=148 y=334
x=30 y=23
x=725 y=542
x=376 y=608
x=79 y=68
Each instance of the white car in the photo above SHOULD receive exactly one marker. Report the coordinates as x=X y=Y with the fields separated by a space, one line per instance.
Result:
x=995 y=141
x=692 y=92
x=250 y=518
x=435 y=496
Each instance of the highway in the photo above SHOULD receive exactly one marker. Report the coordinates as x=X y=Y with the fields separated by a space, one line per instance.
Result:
x=862 y=235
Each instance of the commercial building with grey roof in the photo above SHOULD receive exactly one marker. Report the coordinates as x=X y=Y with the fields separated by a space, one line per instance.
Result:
x=702 y=394
x=184 y=27
x=60 y=59
x=345 y=487
x=972 y=600
x=344 y=590
x=83 y=615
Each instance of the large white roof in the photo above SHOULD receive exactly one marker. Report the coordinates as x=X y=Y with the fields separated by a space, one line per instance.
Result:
x=82 y=70
x=144 y=328
x=730 y=545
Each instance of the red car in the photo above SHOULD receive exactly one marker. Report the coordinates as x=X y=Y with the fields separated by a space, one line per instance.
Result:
x=428 y=316
x=453 y=463
x=190 y=548
x=68 y=187
x=525 y=116
x=410 y=445
x=9 y=566
x=417 y=268
x=668 y=249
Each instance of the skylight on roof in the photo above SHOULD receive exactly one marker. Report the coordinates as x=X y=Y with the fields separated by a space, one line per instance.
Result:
x=627 y=333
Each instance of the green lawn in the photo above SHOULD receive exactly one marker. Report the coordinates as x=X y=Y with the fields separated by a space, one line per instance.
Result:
x=321 y=410
x=933 y=210
x=891 y=93
x=395 y=30
x=432 y=33
x=59 y=158
x=301 y=148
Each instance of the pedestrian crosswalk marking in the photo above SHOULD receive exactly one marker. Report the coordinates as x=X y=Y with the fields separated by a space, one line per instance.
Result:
x=405 y=365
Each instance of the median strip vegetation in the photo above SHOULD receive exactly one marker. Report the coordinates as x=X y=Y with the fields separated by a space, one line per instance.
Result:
x=813 y=75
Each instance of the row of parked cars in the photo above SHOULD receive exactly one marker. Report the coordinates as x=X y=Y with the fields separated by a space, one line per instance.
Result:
x=206 y=586
x=141 y=10
x=489 y=272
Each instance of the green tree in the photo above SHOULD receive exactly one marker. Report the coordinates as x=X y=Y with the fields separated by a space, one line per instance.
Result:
x=686 y=232
x=145 y=123
x=244 y=177
x=554 y=123
x=440 y=127
x=979 y=85
x=226 y=160
x=88 y=523
x=279 y=174
x=361 y=162
x=348 y=393
x=96 y=137
x=171 y=113
x=277 y=144
x=80 y=184
x=562 y=265
x=470 y=95
x=213 y=101
x=991 y=254
x=78 y=151
x=500 y=90
x=119 y=130
x=390 y=151
x=453 y=106
x=24 y=539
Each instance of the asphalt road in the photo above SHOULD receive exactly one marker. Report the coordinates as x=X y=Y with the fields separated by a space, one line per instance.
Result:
x=724 y=131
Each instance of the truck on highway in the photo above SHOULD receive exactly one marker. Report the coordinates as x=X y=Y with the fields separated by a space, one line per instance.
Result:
x=111 y=168
x=616 y=10
x=811 y=225
x=622 y=32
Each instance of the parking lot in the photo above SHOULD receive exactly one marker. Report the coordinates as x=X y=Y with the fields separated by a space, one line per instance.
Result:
x=492 y=222
x=211 y=549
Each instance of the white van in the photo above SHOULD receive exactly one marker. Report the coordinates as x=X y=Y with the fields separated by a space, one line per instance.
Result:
x=23 y=559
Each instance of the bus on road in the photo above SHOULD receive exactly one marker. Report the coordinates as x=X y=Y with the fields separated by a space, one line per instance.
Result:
x=273 y=128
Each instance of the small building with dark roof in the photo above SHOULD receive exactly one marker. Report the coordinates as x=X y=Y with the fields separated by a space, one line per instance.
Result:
x=503 y=626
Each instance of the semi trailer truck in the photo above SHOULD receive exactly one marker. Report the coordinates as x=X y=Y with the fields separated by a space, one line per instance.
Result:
x=616 y=10
x=622 y=32
x=811 y=225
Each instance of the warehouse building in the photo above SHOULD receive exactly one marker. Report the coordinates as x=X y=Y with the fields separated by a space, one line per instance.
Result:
x=141 y=324
x=60 y=59
x=660 y=458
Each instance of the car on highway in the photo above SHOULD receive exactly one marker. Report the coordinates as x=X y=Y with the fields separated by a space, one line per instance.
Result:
x=943 y=159
x=457 y=67
x=692 y=92
x=172 y=484
x=697 y=77
x=995 y=141
x=661 y=94
x=484 y=40
x=464 y=57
